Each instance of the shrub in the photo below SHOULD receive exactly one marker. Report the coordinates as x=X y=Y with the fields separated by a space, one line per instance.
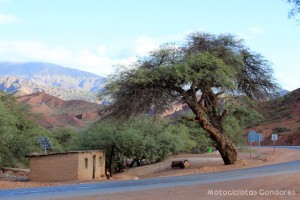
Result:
x=280 y=129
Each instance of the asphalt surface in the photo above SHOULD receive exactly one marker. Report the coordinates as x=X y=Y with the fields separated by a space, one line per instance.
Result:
x=87 y=189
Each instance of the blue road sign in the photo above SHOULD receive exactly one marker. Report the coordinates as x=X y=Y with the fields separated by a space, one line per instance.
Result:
x=252 y=136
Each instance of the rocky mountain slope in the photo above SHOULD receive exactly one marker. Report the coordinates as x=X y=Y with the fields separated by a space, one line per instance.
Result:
x=66 y=83
x=282 y=116
x=21 y=86
x=53 y=112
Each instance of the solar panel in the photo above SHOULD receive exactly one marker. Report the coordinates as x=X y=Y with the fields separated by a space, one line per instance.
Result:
x=45 y=144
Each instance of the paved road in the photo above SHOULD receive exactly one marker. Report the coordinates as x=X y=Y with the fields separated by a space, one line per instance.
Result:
x=87 y=189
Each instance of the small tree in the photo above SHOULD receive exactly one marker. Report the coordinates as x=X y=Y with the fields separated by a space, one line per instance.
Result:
x=197 y=74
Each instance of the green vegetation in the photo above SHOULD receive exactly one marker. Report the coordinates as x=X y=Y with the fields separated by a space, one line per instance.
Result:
x=17 y=133
x=280 y=129
x=137 y=139
x=66 y=138
x=142 y=141
x=199 y=136
x=245 y=111
x=234 y=130
x=150 y=140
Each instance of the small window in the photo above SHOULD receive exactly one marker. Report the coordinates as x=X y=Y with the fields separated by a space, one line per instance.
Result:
x=100 y=161
x=86 y=161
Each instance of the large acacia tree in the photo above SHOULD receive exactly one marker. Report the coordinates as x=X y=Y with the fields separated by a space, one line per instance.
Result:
x=198 y=73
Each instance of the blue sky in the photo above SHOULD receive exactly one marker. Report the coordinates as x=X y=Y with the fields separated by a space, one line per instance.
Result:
x=95 y=35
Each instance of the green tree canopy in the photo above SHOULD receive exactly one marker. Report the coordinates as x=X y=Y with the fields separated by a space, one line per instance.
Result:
x=197 y=74
x=66 y=138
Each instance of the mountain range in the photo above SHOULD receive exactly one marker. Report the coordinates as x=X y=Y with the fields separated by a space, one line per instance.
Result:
x=24 y=78
x=52 y=112
x=66 y=97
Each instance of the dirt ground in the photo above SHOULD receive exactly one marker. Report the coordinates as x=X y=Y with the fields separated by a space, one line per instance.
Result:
x=199 y=163
x=211 y=162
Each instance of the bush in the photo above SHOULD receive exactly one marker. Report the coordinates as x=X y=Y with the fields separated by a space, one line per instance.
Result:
x=137 y=140
x=280 y=129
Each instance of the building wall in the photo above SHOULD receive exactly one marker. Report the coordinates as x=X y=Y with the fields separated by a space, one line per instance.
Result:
x=85 y=165
x=58 y=167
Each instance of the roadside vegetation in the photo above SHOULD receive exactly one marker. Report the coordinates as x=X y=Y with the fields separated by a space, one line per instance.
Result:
x=134 y=142
x=138 y=141
x=19 y=133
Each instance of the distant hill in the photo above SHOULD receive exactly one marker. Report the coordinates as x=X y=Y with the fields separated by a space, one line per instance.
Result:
x=282 y=116
x=21 y=86
x=279 y=94
x=30 y=69
x=55 y=113
x=283 y=92
x=67 y=83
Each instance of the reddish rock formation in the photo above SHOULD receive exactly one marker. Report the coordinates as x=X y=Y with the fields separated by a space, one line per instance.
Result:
x=55 y=113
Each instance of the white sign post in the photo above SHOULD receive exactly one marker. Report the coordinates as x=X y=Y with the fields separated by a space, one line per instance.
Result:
x=259 y=137
x=274 y=137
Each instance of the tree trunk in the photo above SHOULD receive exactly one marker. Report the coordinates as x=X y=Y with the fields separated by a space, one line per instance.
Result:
x=225 y=147
x=210 y=120
x=112 y=152
x=227 y=151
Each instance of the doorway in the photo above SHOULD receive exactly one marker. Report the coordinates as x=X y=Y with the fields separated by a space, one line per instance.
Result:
x=94 y=166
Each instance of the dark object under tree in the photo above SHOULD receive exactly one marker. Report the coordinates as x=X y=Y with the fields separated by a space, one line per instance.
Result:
x=180 y=163
x=196 y=74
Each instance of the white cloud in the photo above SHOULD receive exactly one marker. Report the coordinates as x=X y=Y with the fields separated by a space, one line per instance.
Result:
x=25 y=50
x=251 y=33
x=8 y=19
x=100 y=60
x=105 y=59
x=144 y=45
x=101 y=49
x=256 y=30
x=93 y=62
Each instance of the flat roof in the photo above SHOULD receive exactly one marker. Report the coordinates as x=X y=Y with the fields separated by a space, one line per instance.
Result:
x=61 y=153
